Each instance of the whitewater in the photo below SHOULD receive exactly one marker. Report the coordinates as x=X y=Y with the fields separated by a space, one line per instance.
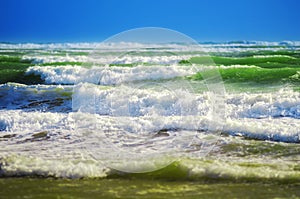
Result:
x=95 y=114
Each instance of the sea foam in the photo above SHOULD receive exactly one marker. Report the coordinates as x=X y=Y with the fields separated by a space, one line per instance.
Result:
x=107 y=75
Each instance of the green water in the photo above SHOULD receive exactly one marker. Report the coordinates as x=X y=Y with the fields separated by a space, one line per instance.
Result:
x=264 y=62
x=249 y=174
x=258 y=75
x=13 y=68
x=139 y=188
x=279 y=69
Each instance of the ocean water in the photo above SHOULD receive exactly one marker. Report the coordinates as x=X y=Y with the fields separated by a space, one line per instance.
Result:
x=225 y=115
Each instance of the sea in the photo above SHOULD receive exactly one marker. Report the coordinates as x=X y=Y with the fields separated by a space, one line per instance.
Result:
x=150 y=120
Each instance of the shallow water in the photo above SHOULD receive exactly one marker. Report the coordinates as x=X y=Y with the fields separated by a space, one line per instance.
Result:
x=137 y=188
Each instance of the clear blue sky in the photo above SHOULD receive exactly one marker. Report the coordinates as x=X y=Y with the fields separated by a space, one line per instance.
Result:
x=95 y=20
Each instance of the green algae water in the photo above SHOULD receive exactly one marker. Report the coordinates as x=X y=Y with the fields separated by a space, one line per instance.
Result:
x=138 y=188
x=49 y=143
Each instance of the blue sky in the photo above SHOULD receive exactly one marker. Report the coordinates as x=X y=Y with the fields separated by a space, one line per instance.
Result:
x=95 y=20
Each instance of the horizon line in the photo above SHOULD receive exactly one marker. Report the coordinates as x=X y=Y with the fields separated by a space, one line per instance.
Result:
x=199 y=42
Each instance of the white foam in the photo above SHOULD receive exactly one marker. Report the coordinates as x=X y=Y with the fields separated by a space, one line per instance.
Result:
x=107 y=75
x=244 y=112
x=61 y=125
x=21 y=122
x=116 y=75
x=229 y=168
x=172 y=59
x=58 y=144
x=270 y=56
x=62 y=168
x=136 y=101
x=282 y=103
x=237 y=66
x=40 y=59
x=267 y=116
x=284 y=129
x=109 y=59
x=222 y=168
x=125 y=46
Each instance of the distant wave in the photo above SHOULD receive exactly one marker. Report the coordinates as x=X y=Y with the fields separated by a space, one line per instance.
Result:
x=129 y=45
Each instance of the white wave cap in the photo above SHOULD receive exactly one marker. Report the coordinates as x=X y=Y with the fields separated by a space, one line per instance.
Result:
x=107 y=75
